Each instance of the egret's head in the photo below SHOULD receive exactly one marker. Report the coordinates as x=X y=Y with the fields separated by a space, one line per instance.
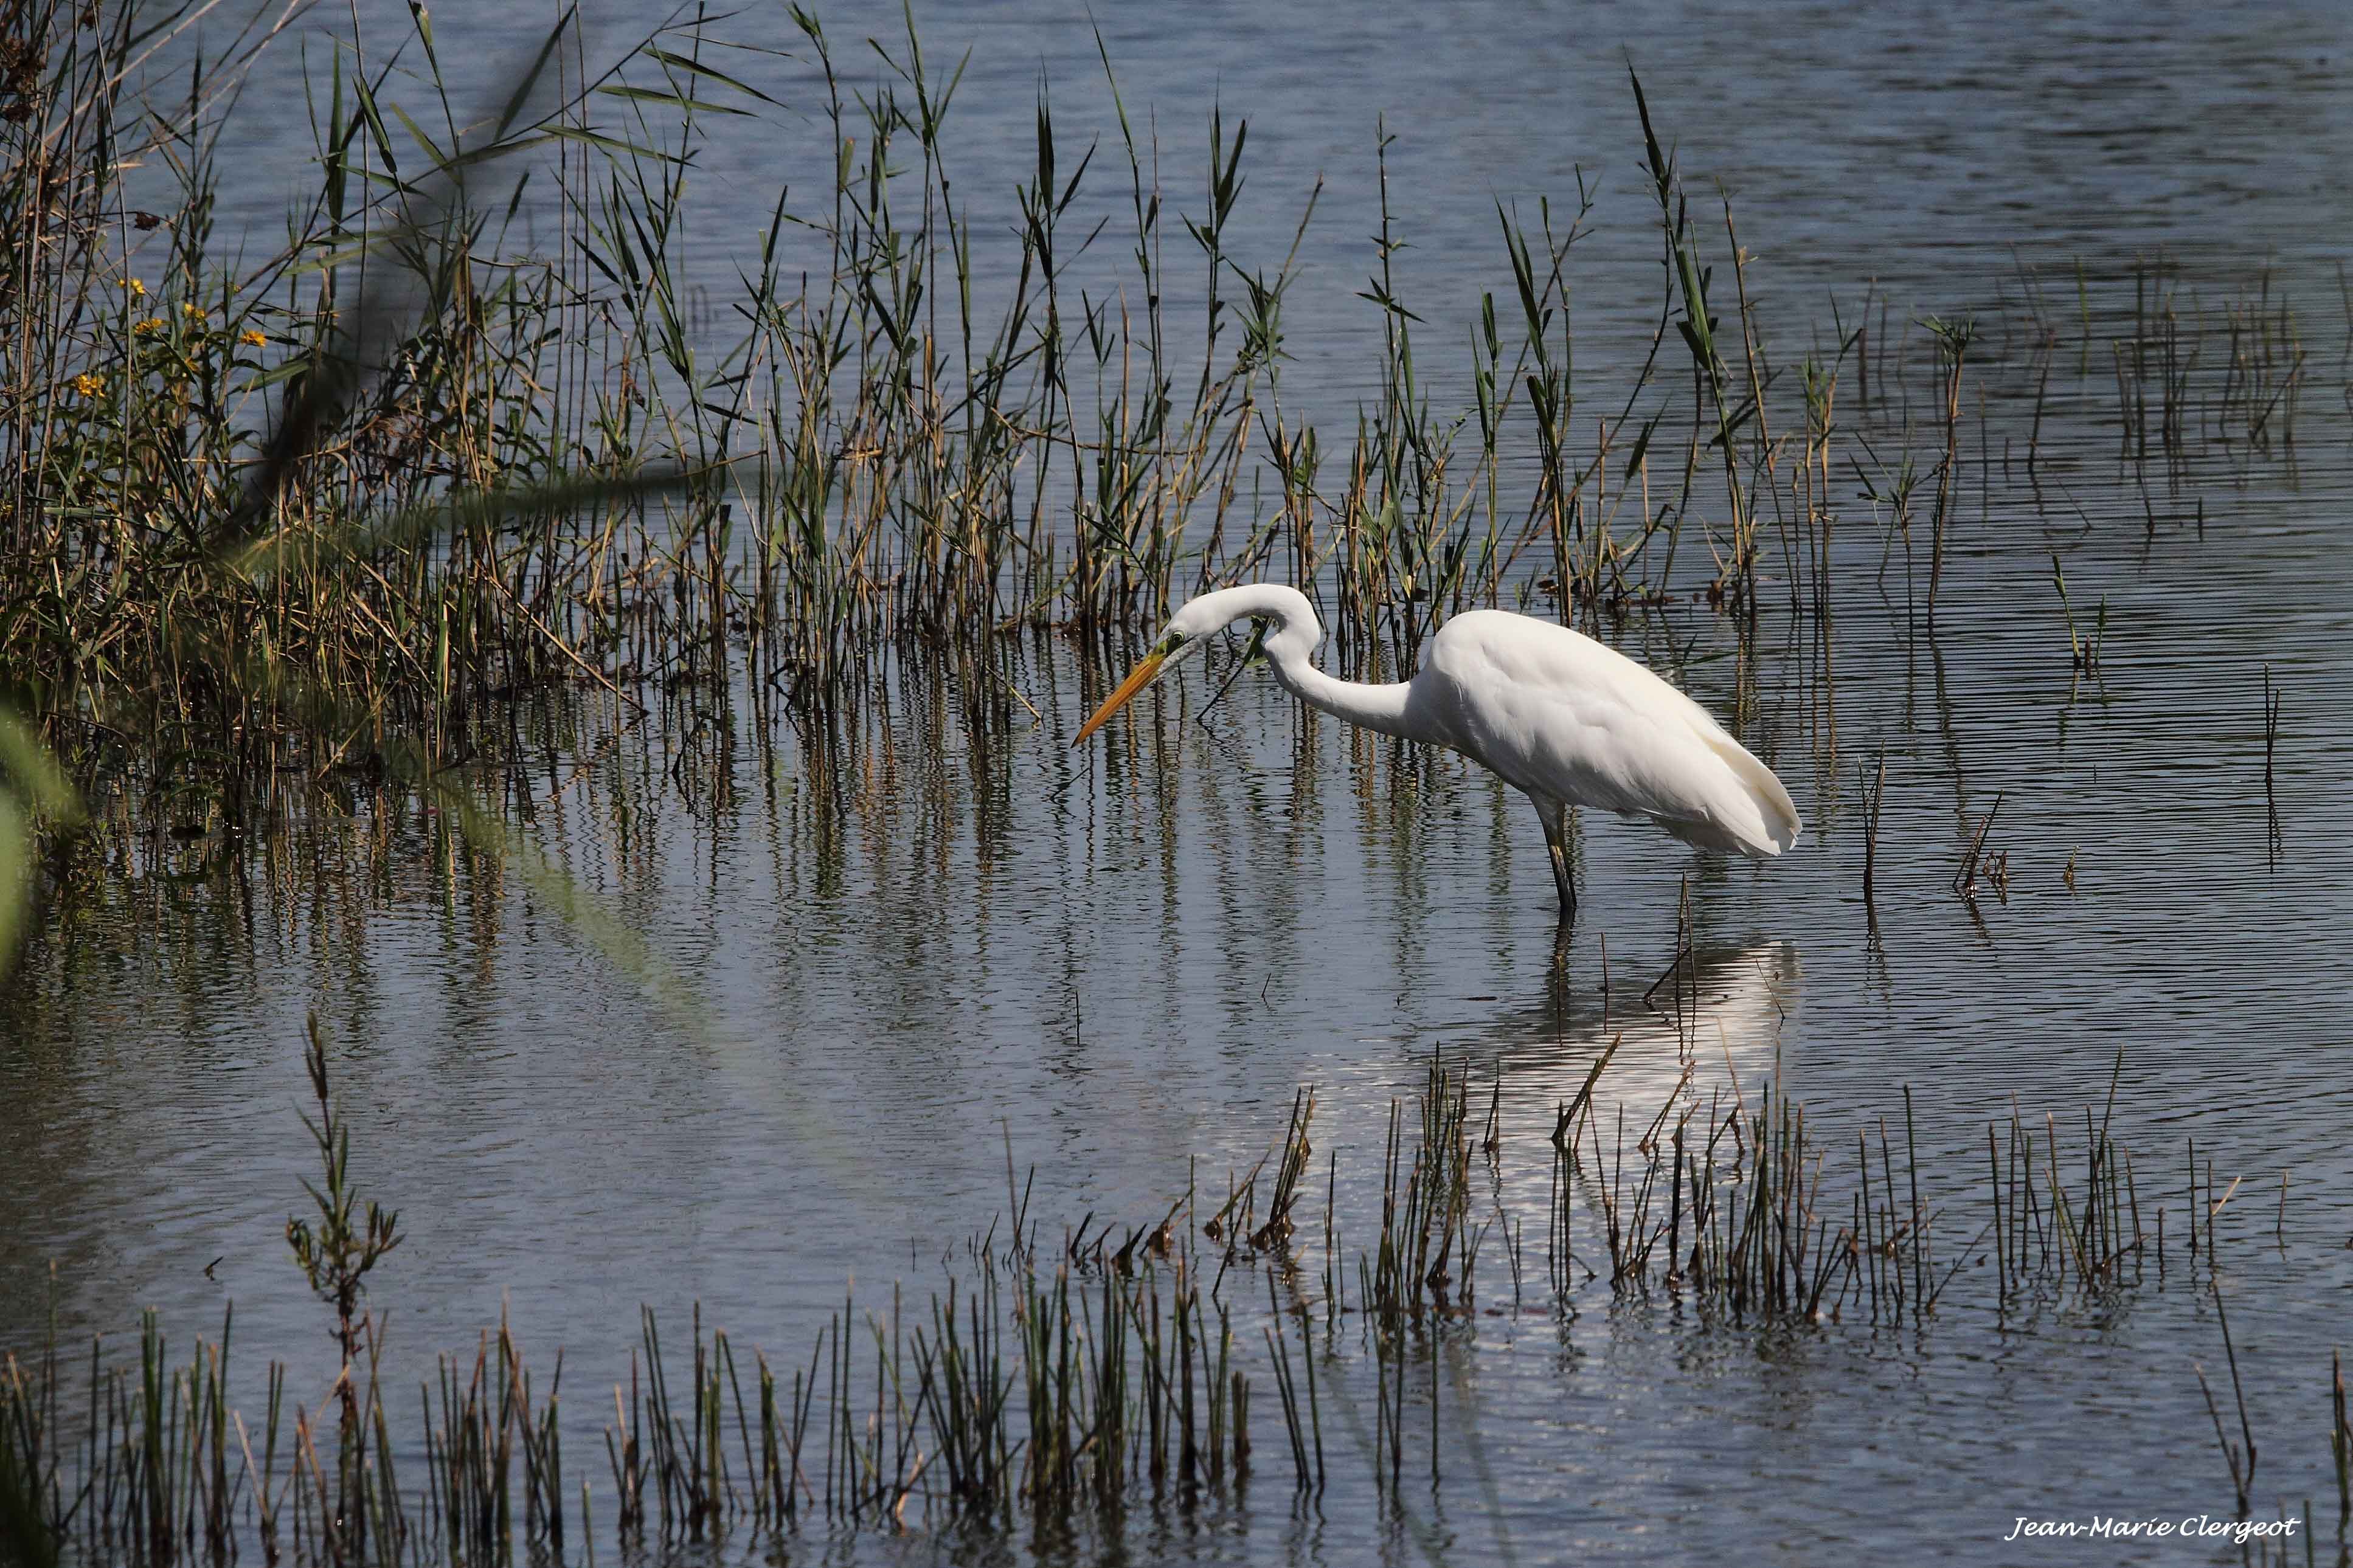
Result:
x=1181 y=637
x=1196 y=621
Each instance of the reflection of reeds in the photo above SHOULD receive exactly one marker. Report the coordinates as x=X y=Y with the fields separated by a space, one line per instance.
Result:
x=2273 y=840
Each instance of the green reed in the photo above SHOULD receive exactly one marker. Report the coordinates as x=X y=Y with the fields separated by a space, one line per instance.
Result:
x=1427 y=1241
x=1037 y=1390
x=890 y=444
x=341 y=506
x=1741 y=1208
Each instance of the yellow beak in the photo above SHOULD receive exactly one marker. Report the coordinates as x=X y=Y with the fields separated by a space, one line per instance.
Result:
x=1137 y=680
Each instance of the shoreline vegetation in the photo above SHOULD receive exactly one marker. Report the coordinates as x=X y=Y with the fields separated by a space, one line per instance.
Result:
x=339 y=514
x=1062 y=1385
x=341 y=507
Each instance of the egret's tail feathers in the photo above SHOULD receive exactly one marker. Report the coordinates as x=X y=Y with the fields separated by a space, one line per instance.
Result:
x=1777 y=826
x=1731 y=838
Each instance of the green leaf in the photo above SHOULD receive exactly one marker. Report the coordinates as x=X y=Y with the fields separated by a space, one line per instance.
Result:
x=574 y=491
x=418 y=131
x=276 y=374
x=34 y=779
x=33 y=773
x=675 y=101
x=16 y=878
x=611 y=143
x=680 y=62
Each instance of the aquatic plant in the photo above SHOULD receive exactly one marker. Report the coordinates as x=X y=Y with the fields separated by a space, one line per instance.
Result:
x=342 y=507
x=1043 y=1387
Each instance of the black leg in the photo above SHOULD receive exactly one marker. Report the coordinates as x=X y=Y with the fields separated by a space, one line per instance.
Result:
x=1556 y=831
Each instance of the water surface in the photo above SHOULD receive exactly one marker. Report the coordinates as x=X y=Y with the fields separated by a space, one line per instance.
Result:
x=930 y=950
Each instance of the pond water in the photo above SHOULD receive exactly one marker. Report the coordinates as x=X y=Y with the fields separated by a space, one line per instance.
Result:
x=892 y=975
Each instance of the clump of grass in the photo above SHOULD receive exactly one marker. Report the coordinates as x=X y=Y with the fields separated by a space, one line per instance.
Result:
x=2053 y=1232
x=2082 y=650
x=1056 y=1393
x=23 y=1535
x=1953 y=338
x=2340 y=1441
x=1874 y=804
x=1236 y=1221
x=1427 y=1247
x=1964 y=879
x=1740 y=1208
x=160 y=1479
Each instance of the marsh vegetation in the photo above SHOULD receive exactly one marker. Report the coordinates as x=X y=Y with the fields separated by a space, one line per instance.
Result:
x=458 y=616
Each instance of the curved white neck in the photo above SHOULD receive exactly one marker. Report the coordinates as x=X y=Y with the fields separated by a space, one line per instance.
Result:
x=1290 y=645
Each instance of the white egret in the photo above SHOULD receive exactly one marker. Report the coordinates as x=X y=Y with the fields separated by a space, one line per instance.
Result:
x=1551 y=713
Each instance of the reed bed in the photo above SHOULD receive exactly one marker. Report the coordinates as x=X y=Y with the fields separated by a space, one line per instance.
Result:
x=898 y=463
x=1027 y=1398
x=1742 y=1209
x=465 y=437
x=889 y=446
x=1060 y=1387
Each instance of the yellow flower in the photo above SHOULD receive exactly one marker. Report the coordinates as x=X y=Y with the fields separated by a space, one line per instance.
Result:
x=138 y=290
x=251 y=339
x=193 y=312
x=151 y=324
x=88 y=384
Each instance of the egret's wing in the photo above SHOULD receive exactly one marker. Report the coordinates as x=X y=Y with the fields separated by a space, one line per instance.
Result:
x=1560 y=715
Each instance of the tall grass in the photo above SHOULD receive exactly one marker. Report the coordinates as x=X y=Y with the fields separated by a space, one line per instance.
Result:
x=466 y=434
x=1059 y=1389
x=262 y=460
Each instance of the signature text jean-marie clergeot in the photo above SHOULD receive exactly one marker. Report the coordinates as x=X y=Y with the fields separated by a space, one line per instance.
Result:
x=2196 y=1527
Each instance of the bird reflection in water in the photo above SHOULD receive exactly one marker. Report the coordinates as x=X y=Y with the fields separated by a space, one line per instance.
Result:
x=1706 y=1036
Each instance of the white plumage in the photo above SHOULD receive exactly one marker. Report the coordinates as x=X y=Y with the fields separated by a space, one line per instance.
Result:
x=1558 y=715
x=1570 y=721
